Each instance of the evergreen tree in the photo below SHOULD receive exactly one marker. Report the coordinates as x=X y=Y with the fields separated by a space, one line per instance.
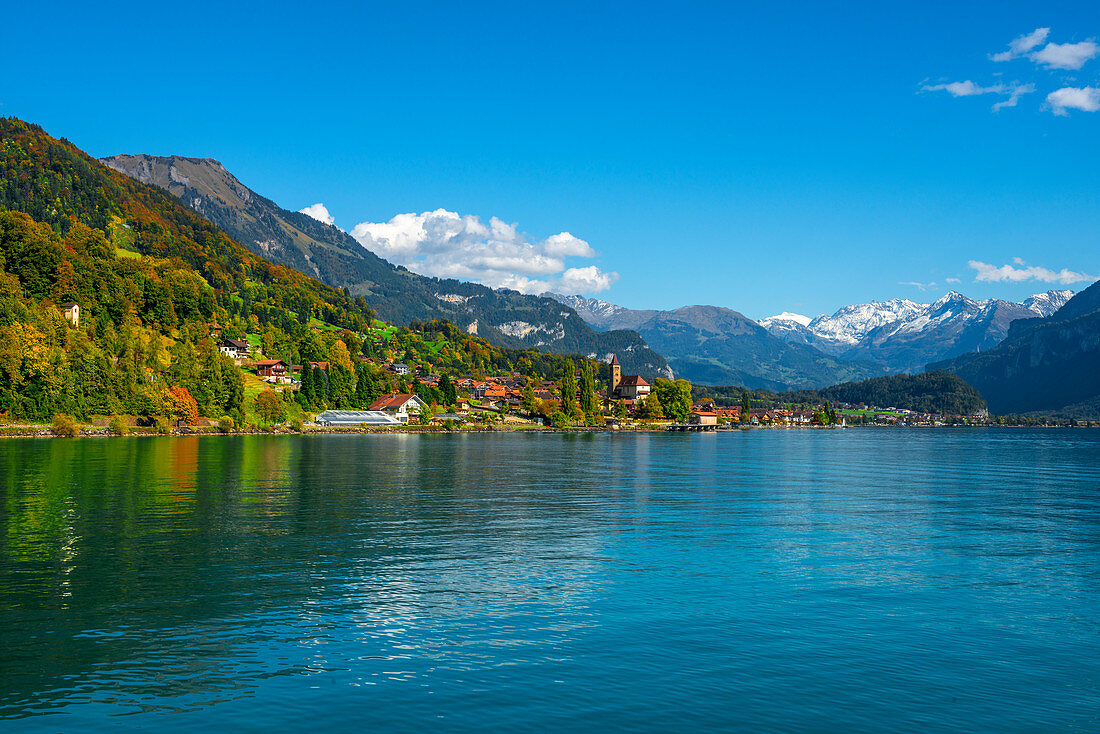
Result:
x=589 y=404
x=305 y=390
x=320 y=386
x=447 y=388
x=568 y=386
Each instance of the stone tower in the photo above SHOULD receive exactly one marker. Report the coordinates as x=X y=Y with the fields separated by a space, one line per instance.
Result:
x=616 y=374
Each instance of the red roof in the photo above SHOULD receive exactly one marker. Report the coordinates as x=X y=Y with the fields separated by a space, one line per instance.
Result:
x=269 y=362
x=633 y=380
x=614 y=359
x=391 y=401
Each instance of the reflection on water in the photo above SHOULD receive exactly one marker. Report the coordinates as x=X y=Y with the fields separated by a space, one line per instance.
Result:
x=876 y=580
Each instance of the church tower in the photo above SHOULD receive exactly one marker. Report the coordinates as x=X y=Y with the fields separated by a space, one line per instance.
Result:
x=616 y=374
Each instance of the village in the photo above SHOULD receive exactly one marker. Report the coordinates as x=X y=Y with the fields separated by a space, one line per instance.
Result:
x=513 y=400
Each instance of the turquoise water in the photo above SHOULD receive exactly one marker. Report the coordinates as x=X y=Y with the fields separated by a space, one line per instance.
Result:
x=859 y=580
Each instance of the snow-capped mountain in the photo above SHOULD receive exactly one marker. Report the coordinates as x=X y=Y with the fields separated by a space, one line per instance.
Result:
x=904 y=336
x=603 y=315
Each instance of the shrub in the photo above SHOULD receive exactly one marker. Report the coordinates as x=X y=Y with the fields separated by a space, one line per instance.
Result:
x=117 y=426
x=64 y=426
x=226 y=424
x=163 y=426
x=558 y=419
x=298 y=425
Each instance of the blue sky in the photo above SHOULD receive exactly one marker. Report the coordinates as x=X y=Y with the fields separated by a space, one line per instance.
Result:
x=789 y=157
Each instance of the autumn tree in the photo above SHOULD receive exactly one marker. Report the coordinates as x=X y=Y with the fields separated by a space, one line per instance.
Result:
x=183 y=406
x=269 y=408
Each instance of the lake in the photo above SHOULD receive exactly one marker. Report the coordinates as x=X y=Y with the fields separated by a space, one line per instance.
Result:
x=803 y=580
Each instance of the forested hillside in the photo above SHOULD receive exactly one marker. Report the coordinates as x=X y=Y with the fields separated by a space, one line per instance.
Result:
x=151 y=278
x=932 y=392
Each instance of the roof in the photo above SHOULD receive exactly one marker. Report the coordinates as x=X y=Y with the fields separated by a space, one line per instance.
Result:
x=68 y=305
x=355 y=417
x=614 y=359
x=633 y=381
x=392 y=401
x=238 y=343
x=269 y=362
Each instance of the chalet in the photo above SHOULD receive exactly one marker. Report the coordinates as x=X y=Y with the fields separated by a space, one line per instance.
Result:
x=215 y=330
x=235 y=348
x=400 y=406
x=272 y=370
x=399 y=368
x=493 y=393
x=71 y=311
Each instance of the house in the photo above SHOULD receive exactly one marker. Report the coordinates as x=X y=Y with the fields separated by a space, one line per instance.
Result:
x=703 y=418
x=356 y=418
x=400 y=406
x=493 y=393
x=71 y=311
x=215 y=330
x=234 y=348
x=272 y=370
x=399 y=369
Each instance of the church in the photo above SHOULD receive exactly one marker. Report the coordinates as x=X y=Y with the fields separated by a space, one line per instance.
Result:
x=626 y=387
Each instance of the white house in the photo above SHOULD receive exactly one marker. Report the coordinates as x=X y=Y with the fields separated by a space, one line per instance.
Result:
x=235 y=348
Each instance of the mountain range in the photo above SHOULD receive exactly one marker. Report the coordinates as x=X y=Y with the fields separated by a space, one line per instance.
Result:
x=503 y=317
x=904 y=336
x=719 y=346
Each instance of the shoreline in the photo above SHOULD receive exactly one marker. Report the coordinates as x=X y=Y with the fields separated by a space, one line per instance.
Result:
x=184 y=432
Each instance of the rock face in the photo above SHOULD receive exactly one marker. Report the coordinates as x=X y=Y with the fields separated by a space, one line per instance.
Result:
x=903 y=336
x=1047 y=364
x=396 y=295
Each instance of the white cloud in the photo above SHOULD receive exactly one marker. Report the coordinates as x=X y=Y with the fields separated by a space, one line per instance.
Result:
x=1086 y=99
x=970 y=89
x=1021 y=45
x=953 y=280
x=318 y=212
x=1065 y=55
x=445 y=244
x=1014 y=94
x=986 y=273
x=964 y=89
x=918 y=286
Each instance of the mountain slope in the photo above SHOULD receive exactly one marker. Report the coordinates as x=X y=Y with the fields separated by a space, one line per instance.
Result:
x=1047 y=364
x=504 y=318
